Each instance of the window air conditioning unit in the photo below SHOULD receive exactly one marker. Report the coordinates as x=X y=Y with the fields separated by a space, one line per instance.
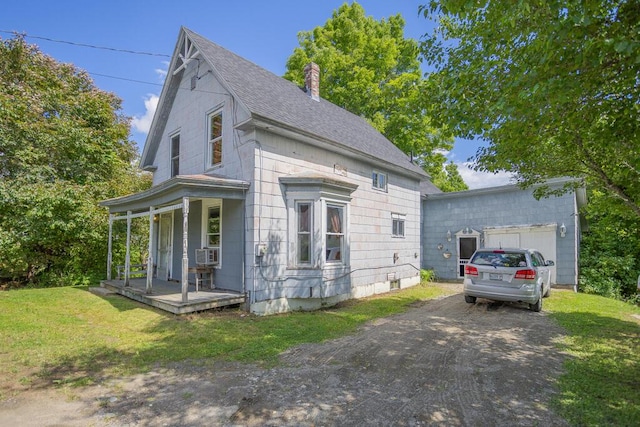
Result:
x=207 y=256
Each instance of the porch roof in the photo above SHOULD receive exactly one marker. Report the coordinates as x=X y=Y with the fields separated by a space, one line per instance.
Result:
x=196 y=186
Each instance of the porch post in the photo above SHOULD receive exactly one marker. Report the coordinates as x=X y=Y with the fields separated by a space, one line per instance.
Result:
x=127 y=259
x=150 y=257
x=109 y=247
x=185 y=247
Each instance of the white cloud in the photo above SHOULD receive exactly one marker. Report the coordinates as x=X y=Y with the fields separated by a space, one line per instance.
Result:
x=483 y=179
x=162 y=72
x=143 y=123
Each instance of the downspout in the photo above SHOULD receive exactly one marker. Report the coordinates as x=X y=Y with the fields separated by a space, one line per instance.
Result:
x=244 y=240
x=253 y=292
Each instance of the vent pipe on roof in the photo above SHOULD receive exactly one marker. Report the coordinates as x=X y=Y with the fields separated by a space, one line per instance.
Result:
x=312 y=80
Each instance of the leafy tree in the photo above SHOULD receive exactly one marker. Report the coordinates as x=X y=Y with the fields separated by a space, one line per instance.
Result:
x=63 y=147
x=552 y=86
x=369 y=68
x=610 y=250
x=448 y=178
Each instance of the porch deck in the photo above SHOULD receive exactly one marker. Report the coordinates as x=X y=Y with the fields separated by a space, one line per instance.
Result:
x=168 y=295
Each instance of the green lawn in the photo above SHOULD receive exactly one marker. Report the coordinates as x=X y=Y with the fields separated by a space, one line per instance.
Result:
x=70 y=336
x=601 y=386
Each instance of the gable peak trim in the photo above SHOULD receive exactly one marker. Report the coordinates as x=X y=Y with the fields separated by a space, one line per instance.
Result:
x=187 y=53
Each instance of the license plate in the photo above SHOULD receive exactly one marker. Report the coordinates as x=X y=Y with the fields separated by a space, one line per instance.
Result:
x=495 y=276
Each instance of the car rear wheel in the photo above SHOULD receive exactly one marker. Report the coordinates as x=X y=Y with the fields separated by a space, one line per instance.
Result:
x=470 y=299
x=537 y=307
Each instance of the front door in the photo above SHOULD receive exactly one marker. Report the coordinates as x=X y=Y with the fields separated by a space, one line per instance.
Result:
x=466 y=247
x=165 y=243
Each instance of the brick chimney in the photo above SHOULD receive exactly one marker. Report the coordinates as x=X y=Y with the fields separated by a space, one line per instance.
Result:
x=312 y=80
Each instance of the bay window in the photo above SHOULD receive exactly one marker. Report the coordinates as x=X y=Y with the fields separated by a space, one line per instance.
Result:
x=304 y=216
x=334 y=233
x=318 y=232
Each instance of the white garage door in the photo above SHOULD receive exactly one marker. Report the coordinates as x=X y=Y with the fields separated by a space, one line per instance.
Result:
x=540 y=237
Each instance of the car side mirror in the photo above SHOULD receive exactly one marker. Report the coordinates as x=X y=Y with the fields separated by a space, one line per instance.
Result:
x=550 y=263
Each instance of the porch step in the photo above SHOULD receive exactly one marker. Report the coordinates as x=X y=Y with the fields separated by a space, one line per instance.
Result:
x=99 y=290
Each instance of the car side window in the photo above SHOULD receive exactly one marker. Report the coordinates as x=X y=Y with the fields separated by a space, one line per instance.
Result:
x=536 y=259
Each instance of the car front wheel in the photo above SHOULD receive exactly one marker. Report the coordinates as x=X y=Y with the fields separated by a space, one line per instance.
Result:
x=470 y=299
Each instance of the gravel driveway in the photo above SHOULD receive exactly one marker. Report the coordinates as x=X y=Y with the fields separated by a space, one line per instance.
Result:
x=444 y=362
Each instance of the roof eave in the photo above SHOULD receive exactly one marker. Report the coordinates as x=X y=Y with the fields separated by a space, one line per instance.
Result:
x=265 y=123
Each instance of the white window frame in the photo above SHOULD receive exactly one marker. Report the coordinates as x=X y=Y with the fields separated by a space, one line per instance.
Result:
x=173 y=156
x=377 y=183
x=308 y=233
x=212 y=141
x=399 y=219
x=329 y=253
x=206 y=206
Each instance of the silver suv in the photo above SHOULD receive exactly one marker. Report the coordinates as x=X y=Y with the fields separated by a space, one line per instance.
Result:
x=517 y=275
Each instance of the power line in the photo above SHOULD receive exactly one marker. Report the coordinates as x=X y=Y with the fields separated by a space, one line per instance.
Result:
x=113 y=49
x=124 y=78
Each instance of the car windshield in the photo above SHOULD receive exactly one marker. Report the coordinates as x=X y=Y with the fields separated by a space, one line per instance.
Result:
x=500 y=259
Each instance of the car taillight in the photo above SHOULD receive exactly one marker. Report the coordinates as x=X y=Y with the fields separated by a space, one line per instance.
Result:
x=470 y=270
x=525 y=274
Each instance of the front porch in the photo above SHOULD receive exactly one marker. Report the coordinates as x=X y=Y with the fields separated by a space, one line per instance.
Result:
x=167 y=295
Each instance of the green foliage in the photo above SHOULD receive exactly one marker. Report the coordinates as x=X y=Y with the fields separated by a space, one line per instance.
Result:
x=600 y=384
x=63 y=147
x=427 y=276
x=610 y=251
x=551 y=86
x=447 y=178
x=369 y=68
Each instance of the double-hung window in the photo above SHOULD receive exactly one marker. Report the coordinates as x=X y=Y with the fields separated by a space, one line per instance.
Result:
x=335 y=233
x=397 y=225
x=304 y=217
x=175 y=155
x=213 y=227
x=379 y=180
x=215 y=138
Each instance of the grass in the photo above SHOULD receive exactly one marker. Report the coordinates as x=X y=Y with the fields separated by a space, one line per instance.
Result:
x=601 y=386
x=68 y=336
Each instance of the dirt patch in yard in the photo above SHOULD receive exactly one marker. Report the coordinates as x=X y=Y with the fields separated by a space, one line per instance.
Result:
x=444 y=362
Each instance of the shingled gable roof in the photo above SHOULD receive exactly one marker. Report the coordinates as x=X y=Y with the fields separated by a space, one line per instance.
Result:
x=274 y=99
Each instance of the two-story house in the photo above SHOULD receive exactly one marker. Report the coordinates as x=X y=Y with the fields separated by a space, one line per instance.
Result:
x=289 y=201
x=273 y=197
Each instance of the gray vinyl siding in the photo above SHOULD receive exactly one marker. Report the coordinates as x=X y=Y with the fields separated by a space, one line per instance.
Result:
x=501 y=206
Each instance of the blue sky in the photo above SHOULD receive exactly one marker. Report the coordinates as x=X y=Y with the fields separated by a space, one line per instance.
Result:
x=264 y=32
